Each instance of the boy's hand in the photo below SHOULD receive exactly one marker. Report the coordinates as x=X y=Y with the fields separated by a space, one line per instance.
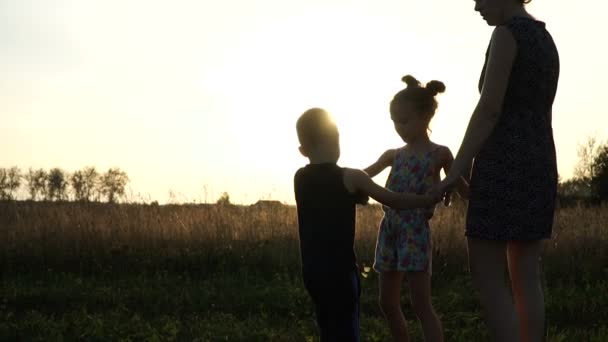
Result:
x=434 y=198
x=430 y=199
x=447 y=199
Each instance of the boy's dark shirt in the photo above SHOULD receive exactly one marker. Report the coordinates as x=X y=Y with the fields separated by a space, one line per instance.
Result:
x=326 y=222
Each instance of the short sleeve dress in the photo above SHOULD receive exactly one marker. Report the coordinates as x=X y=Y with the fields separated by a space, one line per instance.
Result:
x=514 y=176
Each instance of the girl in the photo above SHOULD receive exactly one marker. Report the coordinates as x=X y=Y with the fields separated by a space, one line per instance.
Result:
x=403 y=248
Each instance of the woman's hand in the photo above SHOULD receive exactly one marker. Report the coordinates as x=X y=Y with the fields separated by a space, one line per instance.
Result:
x=444 y=189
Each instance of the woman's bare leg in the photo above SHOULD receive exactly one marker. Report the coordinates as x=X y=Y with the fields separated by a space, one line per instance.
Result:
x=390 y=303
x=524 y=270
x=488 y=262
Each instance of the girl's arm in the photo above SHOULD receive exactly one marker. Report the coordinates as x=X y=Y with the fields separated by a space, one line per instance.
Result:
x=359 y=181
x=503 y=49
x=385 y=160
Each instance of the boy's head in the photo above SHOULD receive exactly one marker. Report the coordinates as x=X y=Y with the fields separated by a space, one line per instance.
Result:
x=318 y=136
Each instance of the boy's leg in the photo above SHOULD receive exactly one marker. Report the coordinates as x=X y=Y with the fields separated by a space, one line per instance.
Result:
x=420 y=296
x=390 y=303
x=524 y=270
x=487 y=261
x=338 y=312
x=322 y=316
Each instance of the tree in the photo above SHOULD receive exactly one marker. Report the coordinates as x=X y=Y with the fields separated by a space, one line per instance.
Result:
x=112 y=184
x=77 y=183
x=573 y=191
x=224 y=199
x=91 y=180
x=573 y=188
x=591 y=173
x=599 y=170
x=10 y=181
x=3 y=184
x=586 y=154
x=56 y=185
x=14 y=180
x=36 y=183
x=84 y=183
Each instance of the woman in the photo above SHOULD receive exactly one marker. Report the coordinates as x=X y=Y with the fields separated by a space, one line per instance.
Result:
x=514 y=175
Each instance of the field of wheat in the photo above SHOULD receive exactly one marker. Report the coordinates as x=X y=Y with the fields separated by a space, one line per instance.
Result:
x=91 y=271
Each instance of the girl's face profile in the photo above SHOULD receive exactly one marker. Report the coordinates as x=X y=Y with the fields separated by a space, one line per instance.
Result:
x=408 y=124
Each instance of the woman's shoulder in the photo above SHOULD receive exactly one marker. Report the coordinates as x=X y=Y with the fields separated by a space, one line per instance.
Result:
x=521 y=27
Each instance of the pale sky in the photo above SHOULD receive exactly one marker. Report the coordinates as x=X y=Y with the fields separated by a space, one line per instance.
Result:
x=201 y=97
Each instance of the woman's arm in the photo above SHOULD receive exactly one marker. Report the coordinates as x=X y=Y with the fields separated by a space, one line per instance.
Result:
x=462 y=186
x=357 y=180
x=385 y=160
x=488 y=110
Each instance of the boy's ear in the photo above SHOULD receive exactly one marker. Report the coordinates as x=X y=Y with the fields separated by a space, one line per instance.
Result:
x=303 y=151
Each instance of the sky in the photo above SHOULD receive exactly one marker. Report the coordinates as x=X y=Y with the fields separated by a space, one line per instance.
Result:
x=196 y=98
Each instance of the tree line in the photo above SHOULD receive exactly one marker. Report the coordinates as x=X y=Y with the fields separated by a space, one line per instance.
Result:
x=56 y=184
x=588 y=186
x=590 y=181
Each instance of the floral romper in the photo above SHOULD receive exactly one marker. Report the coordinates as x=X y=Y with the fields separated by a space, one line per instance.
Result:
x=404 y=237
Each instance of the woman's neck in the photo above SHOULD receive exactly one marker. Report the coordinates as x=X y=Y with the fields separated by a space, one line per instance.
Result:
x=516 y=11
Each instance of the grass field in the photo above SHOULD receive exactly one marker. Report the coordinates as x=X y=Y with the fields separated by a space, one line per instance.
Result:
x=133 y=272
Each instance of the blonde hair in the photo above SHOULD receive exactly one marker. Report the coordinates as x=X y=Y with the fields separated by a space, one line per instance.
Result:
x=312 y=124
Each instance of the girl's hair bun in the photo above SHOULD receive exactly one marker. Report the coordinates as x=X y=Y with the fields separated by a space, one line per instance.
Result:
x=411 y=81
x=435 y=87
x=422 y=98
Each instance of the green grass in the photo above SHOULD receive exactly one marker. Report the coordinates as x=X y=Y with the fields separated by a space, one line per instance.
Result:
x=90 y=272
x=248 y=306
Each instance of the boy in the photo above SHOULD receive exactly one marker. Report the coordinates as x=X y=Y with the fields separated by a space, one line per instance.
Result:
x=326 y=197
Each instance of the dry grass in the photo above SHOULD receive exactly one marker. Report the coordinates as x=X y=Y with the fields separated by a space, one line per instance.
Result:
x=180 y=272
x=56 y=234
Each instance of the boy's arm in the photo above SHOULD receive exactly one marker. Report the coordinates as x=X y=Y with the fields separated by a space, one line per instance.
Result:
x=385 y=160
x=357 y=180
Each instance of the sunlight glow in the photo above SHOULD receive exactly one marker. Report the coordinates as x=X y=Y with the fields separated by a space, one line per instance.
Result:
x=199 y=98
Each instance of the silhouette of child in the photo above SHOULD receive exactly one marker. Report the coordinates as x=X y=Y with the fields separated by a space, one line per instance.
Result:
x=326 y=196
x=403 y=248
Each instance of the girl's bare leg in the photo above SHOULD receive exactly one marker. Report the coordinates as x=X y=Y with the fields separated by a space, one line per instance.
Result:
x=524 y=270
x=488 y=262
x=420 y=296
x=390 y=303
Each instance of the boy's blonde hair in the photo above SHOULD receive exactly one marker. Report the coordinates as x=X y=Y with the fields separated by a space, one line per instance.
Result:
x=313 y=124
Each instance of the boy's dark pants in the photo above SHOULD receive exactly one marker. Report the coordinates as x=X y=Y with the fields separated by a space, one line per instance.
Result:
x=336 y=302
